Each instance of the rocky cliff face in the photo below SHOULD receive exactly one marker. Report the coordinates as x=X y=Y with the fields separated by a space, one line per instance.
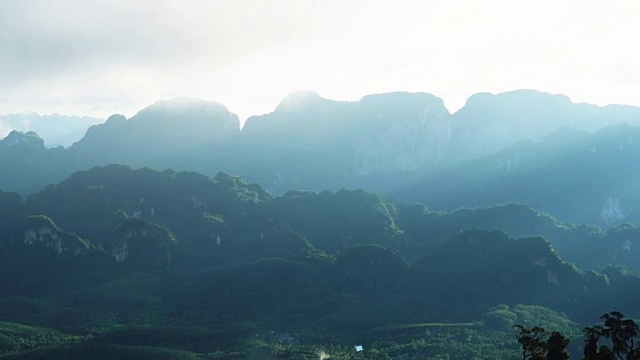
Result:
x=311 y=137
x=142 y=244
x=393 y=133
x=414 y=141
x=41 y=230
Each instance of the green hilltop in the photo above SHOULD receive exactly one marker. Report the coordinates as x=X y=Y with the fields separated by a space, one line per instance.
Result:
x=115 y=262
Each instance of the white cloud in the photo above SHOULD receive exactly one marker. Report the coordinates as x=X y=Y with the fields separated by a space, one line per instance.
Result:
x=103 y=57
x=4 y=130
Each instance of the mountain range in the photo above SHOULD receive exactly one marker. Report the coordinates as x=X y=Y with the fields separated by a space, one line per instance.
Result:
x=407 y=146
x=386 y=222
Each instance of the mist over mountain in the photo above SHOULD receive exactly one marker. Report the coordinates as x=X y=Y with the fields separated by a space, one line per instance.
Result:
x=28 y=165
x=488 y=123
x=418 y=199
x=115 y=261
x=578 y=176
x=313 y=143
x=54 y=129
x=168 y=133
x=382 y=143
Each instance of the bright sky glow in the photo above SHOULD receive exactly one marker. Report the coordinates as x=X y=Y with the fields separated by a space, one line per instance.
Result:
x=99 y=57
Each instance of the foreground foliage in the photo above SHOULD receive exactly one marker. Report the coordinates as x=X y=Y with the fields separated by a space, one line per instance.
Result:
x=616 y=338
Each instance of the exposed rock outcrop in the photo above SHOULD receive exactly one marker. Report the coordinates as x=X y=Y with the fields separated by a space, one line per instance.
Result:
x=41 y=230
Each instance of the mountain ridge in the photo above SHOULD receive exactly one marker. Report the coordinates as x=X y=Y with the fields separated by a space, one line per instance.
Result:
x=383 y=143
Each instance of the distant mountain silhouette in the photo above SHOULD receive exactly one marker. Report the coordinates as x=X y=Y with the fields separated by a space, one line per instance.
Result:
x=579 y=177
x=169 y=133
x=314 y=143
x=405 y=145
x=55 y=129
x=488 y=123
x=27 y=165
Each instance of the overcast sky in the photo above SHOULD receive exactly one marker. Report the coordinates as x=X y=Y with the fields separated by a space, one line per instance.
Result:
x=95 y=57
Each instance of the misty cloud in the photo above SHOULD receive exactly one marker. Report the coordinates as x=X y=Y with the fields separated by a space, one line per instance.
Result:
x=48 y=39
x=101 y=57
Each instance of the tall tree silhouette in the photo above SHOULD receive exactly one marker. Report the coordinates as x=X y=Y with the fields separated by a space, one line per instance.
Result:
x=557 y=347
x=622 y=333
x=538 y=345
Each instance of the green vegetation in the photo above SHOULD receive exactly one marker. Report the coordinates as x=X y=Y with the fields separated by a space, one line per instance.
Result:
x=620 y=334
x=122 y=263
x=17 y=338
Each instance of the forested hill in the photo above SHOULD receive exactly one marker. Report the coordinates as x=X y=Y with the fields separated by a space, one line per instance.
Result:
x=93 y=263
x=114 y=258
x=93 y=202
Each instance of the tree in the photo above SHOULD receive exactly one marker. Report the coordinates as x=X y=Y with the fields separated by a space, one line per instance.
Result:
x=623 y=334
x=557 y=347
x=532 y=342
x=592 y=336
x=537 y=345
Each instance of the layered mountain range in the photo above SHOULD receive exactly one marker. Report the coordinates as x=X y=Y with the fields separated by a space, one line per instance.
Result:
x=162 y=262
x=405 y=145
x=55 y=129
